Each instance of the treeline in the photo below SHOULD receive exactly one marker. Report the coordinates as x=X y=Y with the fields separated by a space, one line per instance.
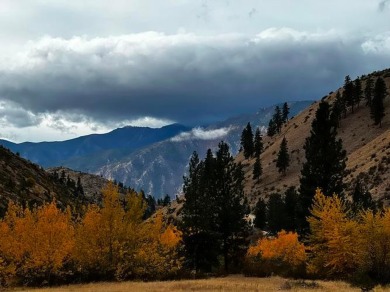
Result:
x=47 y=245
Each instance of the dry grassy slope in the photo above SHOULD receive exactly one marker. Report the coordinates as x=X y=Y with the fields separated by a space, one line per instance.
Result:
x=92 y=184
x=367 y=146
x=26 y=182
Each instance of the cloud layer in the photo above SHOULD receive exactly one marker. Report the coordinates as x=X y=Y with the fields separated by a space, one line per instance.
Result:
x=187 y=78
x=201 y=134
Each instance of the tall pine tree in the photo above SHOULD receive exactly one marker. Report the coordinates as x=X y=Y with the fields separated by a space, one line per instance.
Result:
x=257 y=169
x=247 y=141
x=285 y=112
x=369 y=91
x=283 y=160
x=348 y=93
x=260 y=214
x=258 y=143
x=199 y=237
x=377 y=108
x=325 y=163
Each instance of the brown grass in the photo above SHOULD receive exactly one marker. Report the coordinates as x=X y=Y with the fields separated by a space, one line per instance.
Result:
x=230 y=283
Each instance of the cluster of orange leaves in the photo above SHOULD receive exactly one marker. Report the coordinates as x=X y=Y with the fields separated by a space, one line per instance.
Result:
x=284 y=247
x=46 y=242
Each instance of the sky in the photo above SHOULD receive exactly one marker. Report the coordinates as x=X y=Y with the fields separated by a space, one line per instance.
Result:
x=71 y=68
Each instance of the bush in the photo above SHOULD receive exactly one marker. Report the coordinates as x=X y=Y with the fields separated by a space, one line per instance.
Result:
x=283 y=255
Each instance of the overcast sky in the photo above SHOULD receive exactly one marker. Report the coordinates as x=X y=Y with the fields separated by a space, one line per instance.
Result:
x=69 y=68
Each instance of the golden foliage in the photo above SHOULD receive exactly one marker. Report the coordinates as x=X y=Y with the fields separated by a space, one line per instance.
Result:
x=285 y=248
x=333 y=237
x=38 y=242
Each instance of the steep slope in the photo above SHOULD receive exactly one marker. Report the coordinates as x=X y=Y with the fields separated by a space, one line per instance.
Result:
x=27 y=183
x=92 y=184
x=159 y=168
x=367 y=146
x=94 y=149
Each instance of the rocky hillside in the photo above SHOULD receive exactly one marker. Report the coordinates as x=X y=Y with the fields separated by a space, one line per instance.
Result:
x=367 y=146
x=92 y=185
x=27 y=183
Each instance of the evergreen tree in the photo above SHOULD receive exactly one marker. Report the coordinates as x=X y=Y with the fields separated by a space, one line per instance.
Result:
x=377 y=108
x=213 y=213
x=271 y=131
x=285 y=112
x=258 y=143
x=278 y=119
x=357 y=91
x=260 y=214
x=200 y=241
x=247 y=141
x=290 y=202
x=276 y=215
x=79 y=187
x=337 y=109
x=361 y=198
x=283 y=161
x=231 y=209
x=257 y=169
x=325 y=163
x=369 y=91
x=348 y=93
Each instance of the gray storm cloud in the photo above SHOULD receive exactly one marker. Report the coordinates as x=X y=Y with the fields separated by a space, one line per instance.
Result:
x=181 y=77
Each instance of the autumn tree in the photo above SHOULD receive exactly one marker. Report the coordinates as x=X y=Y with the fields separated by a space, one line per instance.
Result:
x=283 y=255
x=37 y=242
x=325 y=165
x=283 y=160
x=333 y=237
x=109 y=236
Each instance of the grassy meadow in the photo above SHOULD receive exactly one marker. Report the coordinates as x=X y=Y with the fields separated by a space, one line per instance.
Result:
x=230 y=283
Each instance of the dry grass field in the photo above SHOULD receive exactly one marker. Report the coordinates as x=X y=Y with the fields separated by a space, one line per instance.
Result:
x=230 y=283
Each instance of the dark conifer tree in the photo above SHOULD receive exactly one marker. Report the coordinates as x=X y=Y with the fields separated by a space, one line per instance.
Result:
x=290 y=201
x=278 y=119
x=198 y=222
x=271 y=131
x=357 y=92
x=285 y=112
x=283 y=160
x=337 y=109
x=257 y=169
x=369 y=91
x=231 y=209
x=325 y=163
x=377 y=108
x=361 y=198
x=258 y=143
x=260 y=214
x=348 y=93
x=276 y=215
x=247 y=141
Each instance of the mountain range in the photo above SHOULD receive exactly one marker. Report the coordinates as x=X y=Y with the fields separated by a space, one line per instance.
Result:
x=153 y=160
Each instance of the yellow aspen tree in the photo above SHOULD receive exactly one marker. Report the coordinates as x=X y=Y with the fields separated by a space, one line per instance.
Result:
x=333 y=237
